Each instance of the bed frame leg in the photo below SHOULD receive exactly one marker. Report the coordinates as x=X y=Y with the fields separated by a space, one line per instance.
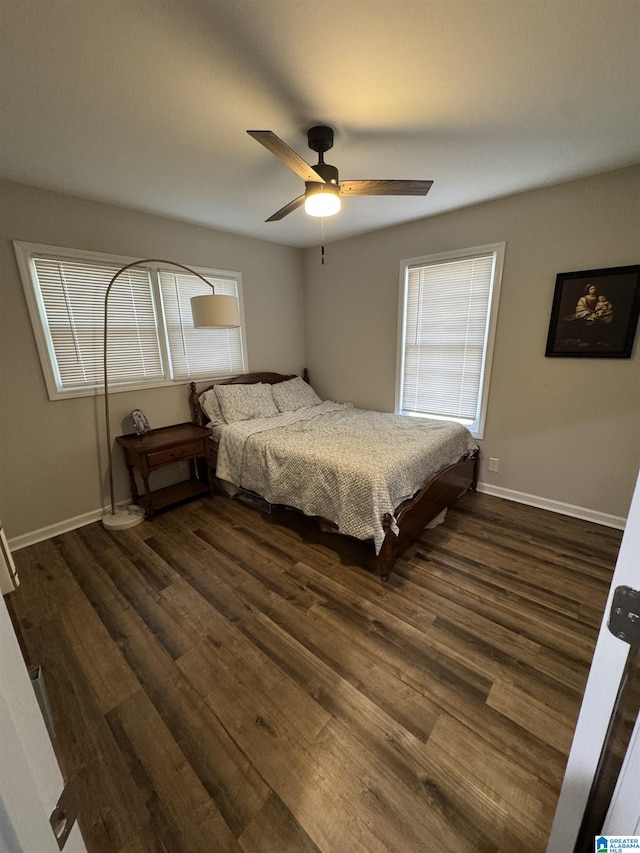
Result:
x=385 y=557
x=385 y=564
x=476 y=471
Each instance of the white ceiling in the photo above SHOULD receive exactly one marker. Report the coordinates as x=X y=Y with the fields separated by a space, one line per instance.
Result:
x=146 y=103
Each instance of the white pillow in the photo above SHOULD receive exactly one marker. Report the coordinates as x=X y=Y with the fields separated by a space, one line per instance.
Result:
x=294 y=394
x=243 y=402
x=211 y=406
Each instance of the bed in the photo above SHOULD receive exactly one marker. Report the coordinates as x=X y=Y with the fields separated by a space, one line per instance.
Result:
x=368 y=475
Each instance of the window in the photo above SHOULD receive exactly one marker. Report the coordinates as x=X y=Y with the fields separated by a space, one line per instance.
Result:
x=151 y=339
x=449 y=306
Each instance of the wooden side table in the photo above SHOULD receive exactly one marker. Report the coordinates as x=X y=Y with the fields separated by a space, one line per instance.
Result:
x=165 y=446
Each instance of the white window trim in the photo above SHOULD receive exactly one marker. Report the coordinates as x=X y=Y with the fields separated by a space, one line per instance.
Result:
x=497 y=249
x=25 y=253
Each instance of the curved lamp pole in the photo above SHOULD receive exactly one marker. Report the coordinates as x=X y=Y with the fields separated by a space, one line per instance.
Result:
x=210 y=311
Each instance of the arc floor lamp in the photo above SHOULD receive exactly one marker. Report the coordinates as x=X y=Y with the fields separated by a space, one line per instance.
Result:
x=210 y=311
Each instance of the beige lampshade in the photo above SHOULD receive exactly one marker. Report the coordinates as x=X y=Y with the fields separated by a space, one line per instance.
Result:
x=215 y=310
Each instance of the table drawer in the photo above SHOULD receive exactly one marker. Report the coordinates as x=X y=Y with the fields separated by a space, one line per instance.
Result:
x=183 y=451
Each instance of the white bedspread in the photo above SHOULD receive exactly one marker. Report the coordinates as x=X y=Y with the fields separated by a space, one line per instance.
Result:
x=348 y=465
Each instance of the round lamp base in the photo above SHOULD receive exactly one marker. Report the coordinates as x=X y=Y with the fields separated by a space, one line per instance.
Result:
x=123 y=517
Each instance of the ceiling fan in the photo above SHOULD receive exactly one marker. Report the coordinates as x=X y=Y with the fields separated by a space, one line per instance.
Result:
x=322 y=187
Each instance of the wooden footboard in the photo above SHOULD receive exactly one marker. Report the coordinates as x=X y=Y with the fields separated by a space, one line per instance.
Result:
x=440 y=492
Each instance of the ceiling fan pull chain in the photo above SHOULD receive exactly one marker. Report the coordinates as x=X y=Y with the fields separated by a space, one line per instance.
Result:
x=322 y=249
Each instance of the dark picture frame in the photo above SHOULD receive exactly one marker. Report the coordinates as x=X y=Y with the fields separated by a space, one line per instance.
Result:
x=594 y=313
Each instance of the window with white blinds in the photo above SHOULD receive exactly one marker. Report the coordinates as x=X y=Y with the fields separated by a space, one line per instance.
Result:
x=449 y=310
x=150 y=340
x=198 y=352
x=72 y=294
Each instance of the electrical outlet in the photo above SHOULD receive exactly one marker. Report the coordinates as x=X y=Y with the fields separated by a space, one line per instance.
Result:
x=183 y=465
x=494 y=464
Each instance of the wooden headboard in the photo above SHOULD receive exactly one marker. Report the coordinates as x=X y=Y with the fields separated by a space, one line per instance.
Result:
x=199 y=417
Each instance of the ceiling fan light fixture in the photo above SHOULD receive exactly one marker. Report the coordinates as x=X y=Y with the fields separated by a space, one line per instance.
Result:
x=321 y=199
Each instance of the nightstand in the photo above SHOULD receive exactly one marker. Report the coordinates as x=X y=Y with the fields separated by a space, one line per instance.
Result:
x=165 y=446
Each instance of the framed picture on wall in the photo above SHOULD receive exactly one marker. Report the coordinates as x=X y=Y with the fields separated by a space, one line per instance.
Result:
x=594 y=313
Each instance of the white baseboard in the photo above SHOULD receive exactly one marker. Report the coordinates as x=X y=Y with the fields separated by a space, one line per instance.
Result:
x=57 y=529
x=508 y=494
x=561 y=508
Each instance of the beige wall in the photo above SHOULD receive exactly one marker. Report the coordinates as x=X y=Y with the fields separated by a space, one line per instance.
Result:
x=52 y=458
x=565 y=430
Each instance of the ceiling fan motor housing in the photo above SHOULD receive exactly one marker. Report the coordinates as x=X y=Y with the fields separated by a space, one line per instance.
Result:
x=320 y=138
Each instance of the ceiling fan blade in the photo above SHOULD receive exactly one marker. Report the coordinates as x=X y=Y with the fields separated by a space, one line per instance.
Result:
x=288 y=156
x=385 y=187
x=287 y=209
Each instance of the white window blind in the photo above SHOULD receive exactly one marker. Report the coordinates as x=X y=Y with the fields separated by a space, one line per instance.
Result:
x=151 y=339
x=72 y=294
x=446 y=335
x=198 y=352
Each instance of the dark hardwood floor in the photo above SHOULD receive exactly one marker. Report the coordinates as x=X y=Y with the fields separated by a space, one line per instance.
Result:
x=226 y=680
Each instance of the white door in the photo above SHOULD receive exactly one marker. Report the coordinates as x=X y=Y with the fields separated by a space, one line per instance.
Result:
x=30 y=778
x=623 y=817
x=602 y=685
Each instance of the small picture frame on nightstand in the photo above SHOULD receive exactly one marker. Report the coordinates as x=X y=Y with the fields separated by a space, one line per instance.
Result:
x=140 y=423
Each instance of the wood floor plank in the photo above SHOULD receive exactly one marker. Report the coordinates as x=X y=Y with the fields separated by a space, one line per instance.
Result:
x=60 y=597
x=568 y=535
x=177 y=801
x=541 y=719
x=236 y=789
x=237 y=792
x=224 y=679
x=145 y=600
x=509 y=609
x=555 y=590
x=275 y=828
x=346 y=657
x=513 y=795
x=401 y=755
x=90 y=755
x=573 y=546
x=441 y=687
x=563 y=667
x=484 y=657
